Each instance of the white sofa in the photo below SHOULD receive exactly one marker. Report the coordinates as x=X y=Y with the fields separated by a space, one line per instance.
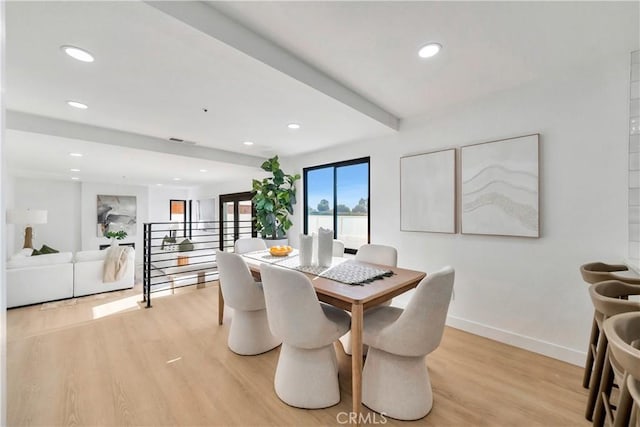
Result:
x=41 y=278
x=88 y=270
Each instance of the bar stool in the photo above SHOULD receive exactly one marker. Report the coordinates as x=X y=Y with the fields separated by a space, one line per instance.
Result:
x=623 y=333
x=609 y=298
x=595 y=272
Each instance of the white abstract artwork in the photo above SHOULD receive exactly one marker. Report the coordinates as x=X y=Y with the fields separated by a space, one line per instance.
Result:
x=500 y=187
x=428 y=192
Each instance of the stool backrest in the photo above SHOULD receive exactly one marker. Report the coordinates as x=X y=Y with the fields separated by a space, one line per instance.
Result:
x=623 y=333
x=608 y=297
x=595 y=272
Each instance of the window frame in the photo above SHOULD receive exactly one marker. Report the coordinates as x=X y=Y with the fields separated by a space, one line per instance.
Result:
x=335 y=166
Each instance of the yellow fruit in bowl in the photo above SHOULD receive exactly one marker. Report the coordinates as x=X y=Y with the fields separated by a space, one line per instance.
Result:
x=280 y=250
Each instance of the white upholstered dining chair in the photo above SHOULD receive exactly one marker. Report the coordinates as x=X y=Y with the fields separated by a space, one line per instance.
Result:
x=249 y=333
x=395 y=379
x=378 y=254
x=307 y=371
x=372 y=254
x=249 y=244
x=338 y=248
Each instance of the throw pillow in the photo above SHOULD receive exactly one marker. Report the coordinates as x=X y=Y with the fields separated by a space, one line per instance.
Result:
x=36 y=253
x=48 y=250
x=167 y=240
x=185 y=246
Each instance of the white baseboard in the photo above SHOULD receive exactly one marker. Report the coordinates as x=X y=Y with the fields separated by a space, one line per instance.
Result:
x=545 y=348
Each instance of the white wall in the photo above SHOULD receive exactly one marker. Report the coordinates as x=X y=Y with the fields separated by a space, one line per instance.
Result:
x=8 y=185
x=213 y=191
x=89 y=213
x=61 y=200
x=159 y=198
x=3 y=236
x=527 y=292
x=634 y=161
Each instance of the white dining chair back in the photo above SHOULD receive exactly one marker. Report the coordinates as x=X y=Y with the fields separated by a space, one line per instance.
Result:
x=418 y=330
x=295 y=314
x=378 y=254
x=249 y=333
x=239 y=289
x=307 y=371
x=373 y=254
x=249 y=244
x=338 y=248
x=395 y=379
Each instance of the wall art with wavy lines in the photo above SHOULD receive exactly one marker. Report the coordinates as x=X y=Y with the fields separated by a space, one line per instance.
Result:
x=500 y=187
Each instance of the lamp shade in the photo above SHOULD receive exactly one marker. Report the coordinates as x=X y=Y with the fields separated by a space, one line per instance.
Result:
x=26 y=216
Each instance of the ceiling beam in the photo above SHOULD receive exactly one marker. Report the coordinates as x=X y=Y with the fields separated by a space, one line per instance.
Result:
x=207 y=19
x=45 y=125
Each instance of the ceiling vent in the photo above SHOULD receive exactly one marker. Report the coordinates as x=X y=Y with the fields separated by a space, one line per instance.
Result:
x=181 y=141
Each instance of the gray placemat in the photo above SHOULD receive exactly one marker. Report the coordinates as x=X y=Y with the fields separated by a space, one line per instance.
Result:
x=344 y=271
x=349 y=272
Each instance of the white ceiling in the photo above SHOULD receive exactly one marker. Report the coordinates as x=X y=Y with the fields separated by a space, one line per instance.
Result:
x=47 y=157
x=154 y=74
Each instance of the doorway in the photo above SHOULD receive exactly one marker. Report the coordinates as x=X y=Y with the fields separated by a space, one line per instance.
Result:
x=236 y=218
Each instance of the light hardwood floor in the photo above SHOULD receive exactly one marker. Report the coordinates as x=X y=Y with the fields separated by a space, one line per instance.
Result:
x=170 y=365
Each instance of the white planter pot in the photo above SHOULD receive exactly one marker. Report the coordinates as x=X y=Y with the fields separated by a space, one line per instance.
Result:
x=276 y=242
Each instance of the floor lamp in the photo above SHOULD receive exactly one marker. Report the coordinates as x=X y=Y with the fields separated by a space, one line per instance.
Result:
x=27 y=217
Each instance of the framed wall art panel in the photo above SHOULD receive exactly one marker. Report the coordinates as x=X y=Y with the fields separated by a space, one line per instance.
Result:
x=428 y=192
x=500 y=187
x=116 y=213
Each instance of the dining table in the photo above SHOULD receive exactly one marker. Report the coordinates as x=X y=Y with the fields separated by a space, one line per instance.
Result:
x=353 y=298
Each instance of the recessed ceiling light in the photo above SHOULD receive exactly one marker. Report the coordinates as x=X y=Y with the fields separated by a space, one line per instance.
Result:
x=75 y=154
x=203 y=170
x=293 y=126
x=176 y=179
x=77 y=53
x=75 y=178
x=74 y=170
x=76 y=104
x=248 y=143
x=159 y=185
x=429 y=50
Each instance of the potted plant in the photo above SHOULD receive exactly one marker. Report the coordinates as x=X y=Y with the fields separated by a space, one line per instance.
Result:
x=273 y=200
x=115 y=235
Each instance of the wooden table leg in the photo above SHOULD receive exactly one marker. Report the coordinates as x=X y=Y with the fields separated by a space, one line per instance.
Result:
x=356 y=357
x=201 y=280
x=220 y=305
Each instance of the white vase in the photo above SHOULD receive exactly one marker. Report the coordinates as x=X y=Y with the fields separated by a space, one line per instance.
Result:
x=114 y=242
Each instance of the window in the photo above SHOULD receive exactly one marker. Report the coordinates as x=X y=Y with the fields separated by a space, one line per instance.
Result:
x=336 y=196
